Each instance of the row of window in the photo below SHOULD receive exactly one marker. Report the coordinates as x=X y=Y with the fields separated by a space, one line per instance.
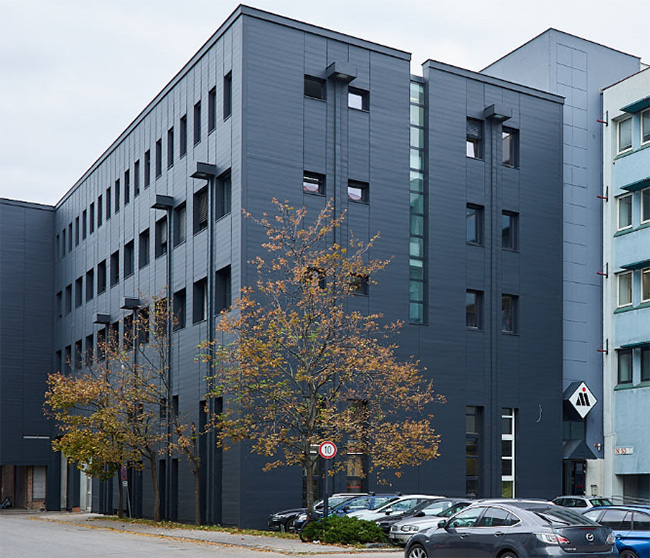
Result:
x=111 y=201
x=474 y=311
x=94 y=348
x=625 y=214
x=625 y=291
x=626 y=365
x=625 y=133
x=315 y=183
x=509 y=227
x=316 y=88
x=475 y=144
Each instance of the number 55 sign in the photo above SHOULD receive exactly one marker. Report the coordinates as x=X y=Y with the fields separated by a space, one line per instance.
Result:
x=327 y=450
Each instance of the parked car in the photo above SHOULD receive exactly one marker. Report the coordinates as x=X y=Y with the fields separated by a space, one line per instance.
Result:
x=438 y=504
x=514 y=529
x=403 y=529
x=631 y=526
x=285 y=520
x=357 y=503
x=581 y=501
x=400 y=505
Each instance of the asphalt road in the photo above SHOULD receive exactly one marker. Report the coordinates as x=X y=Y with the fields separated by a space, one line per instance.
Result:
x=62 y=535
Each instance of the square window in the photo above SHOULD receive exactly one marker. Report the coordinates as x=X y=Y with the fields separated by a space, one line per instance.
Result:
x=223 y=290
x=183 y=135
x=474 y=218
x=201 y=210
x=313 y=183
x=509 y=232
x=624 y=212
x=625 y=366
x=473 y=310
x=197 y=122
x=129 y=259
x=510 y=147
x=179 y=310
x=645 y=285
x=161 y=237
x=212 y=109
x=358 y=99
x=625 y=289
x=645 y=126
x=227 y=95
x=115 y=268
x=645 y=205
x=224 y=195
x=509 y=313
x=645 y=364
x=314 y=87
x=180 y=224
x=474 y=147
x=101 y=277
x=143 y=249
x=624 y=135
x=200 y=306
x=357 y=191
x=359 y=284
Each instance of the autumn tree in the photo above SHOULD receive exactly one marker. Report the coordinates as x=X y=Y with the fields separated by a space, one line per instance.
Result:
x=303 y=367
x=121 y=409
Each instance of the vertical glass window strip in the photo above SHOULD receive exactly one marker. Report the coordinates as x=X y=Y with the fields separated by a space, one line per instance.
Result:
x=508 y=453
x=417 y=201
x=472 y=451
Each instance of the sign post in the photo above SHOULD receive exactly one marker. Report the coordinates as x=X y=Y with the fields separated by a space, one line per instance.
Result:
x=327 y=451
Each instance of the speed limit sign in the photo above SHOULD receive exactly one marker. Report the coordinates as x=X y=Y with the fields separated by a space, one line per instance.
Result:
x=327 y=450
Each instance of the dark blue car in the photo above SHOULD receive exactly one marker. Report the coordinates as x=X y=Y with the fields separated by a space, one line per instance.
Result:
x=631 y=526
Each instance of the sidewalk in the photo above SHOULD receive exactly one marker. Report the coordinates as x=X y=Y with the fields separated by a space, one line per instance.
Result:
x=262 y=543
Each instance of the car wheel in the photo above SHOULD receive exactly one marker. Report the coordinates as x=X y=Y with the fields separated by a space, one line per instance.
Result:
x=508 y=554
x=628 y=554
x=290 y=525
x=417 y=551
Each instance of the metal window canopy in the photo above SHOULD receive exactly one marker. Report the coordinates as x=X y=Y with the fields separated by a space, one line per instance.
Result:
x=637 y=106
x=498 y=112
x=638 y=185
x=131 y=303
x=163 y=202
x=341 y=71
x=204 y=171
x=636 y=265
x=637 y=345
x=102 y=319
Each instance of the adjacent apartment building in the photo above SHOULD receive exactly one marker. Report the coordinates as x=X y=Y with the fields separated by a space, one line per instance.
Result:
x=577 y=69
x=460 y=172
x=626 y=296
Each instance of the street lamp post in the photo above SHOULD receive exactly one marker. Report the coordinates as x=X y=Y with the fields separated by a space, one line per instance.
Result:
x=166 y=203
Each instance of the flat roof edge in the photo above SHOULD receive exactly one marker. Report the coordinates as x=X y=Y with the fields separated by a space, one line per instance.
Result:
x=239 y=11
x=27 y=204
x=498 y=82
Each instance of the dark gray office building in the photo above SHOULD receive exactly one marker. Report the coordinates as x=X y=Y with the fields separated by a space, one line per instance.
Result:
x=460 y=172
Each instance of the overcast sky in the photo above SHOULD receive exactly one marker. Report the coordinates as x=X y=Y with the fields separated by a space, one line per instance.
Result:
x=74 y=73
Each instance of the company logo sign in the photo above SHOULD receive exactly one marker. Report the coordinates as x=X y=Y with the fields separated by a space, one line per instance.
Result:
x=583 y=400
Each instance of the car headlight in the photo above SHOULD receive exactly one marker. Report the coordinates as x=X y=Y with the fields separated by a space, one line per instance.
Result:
x=410 y=528
x=302 y=517
x=611 y=539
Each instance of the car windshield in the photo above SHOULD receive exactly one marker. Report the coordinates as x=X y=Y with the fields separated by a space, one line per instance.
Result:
x=600 y=502
x=338 y=500
x=557 y=515
x=453 y=509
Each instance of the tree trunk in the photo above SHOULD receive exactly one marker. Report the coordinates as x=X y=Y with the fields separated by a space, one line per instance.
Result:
x=156 y=489
x=197 y=495
x=309 y=478
x=119 y=488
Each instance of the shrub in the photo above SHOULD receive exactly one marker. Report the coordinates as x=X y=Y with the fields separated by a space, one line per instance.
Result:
x=342 y=530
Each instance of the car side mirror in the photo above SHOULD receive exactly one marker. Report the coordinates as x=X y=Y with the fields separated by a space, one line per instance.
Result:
x=419 y=514
x=442 y=524
x=389 y=511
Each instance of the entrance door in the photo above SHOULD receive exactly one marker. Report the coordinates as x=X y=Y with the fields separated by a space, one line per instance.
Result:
x=574 y=477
